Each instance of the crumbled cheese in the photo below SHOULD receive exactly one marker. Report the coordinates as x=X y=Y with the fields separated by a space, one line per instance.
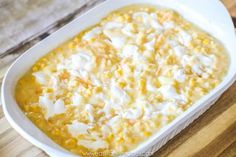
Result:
x=185 y=38
x=186 y=59
x=105 y=130
x=77 y=128
x=113 y=120
x=168 y=25
x=94 y=145
x=179 y=75
x=106 y=109
x=89 y=109
x=51 y=109
x=95 y=80
x=41 y=77
x=197 y=69
x=150 y=87
x=145 y=17
x=82 y=61
x=170 y=108
x=179 y=51
x=206 y=61
x=117 y=40
x=91 y=34
x=132 y=114
x=169 y=92
x=130 y=51
x=77 y=100
x=165 y=80
x=127 y=31
x=149 y=110
x=119 y=96
x=150 y=45
x=113 y=25
x=156 y=25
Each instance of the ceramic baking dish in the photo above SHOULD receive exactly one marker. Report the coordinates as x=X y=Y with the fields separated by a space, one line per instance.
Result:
x=209 y=15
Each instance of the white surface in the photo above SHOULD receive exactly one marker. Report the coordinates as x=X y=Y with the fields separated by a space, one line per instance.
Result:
x=201 y=12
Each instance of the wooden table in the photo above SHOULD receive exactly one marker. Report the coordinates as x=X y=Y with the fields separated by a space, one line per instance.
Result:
x=212 y=134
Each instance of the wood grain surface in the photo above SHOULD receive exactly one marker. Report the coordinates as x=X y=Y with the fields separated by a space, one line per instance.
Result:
x=212 y=134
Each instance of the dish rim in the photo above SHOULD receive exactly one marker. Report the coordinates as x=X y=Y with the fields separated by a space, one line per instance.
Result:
x=164 y=131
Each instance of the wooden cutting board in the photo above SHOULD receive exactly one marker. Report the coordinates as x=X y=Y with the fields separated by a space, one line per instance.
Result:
x=212 y=134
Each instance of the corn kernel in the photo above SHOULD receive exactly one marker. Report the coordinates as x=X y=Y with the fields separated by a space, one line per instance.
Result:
x=192 y=82
x=206 y=41
x=133 y=27
x=107 y=75
x=141 y=38
x=119 y=72
x=35 y=68
x=147 y=134
x=98 y=89
x=120 y=139
x=110 y=137
x=142 y=86
x=71 y=143
x=122 y=84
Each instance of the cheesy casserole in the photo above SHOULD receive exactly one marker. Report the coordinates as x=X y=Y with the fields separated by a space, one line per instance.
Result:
x=114 y=85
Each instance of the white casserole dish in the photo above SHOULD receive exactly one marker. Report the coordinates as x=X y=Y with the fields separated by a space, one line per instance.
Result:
x=209 y=15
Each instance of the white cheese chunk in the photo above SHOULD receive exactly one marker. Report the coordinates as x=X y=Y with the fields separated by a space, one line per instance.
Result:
x=179 y=75
x=150 y=87
x=105 y=130
x=106 y=109
x=130 y=51
x=145 y=17
x=184 y=37
x=156 y=25
x=94 y=145
x=91 y=34
x=179 y=51
x=206 y=61
x=116 y=39
x=169 y=92
x=41 y=77
x=149 y=110
x=165 y=80
x=77 y=128
x=113 y=25
x=77 y=100
x=150 y=45
x=51 y=109
x=170 y=108
x=118 y=42
x=196 y=68
x=89 y=109
x=127 y=30
x=82 y=61
x=118 y=95
x=132 y=114
x=113 y=121
x=169 y=25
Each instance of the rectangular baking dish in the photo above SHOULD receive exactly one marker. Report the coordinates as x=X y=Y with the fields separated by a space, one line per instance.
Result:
x=200 y=12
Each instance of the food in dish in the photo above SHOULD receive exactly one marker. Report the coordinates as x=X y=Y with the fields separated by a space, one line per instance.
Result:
x=114 y=85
